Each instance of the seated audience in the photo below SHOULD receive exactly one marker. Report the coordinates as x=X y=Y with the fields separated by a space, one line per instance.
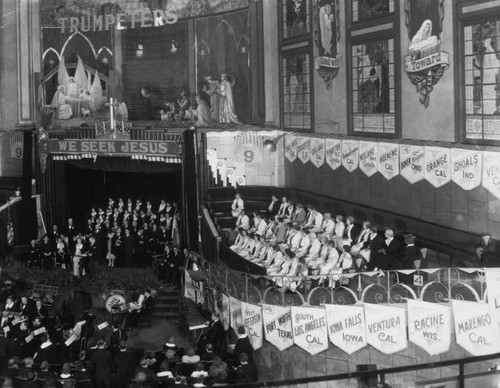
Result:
x=246 y=372
x=190 y=357
x=218 y=371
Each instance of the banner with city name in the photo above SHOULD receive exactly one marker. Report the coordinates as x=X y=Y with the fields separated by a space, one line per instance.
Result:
x=493 y=289
x=411 y=162
x=304 y=148
x=291 y=147
x=466 y=168
x=388 y=160
x=333 y=153
x=491 y=172
x=317 y=151
x=346 y=327
x=309 y=329
x=278 y=326
x=236 y=313
x=437 y=166
x=475 y=329
x=350 y=154
x=429 y=326
x=252 y=320
x=386 y=328
x=368 y=156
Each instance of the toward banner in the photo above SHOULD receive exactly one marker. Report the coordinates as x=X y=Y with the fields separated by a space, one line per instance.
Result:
x=411 y=162
x=278 y=326
x=386 y=328
x=236 y=313
x=493 y=288
x=309 y=329
x=437 y=166
x=467 y=166
x=429 y=326
x=368 y=155
x=346 y=327
x=333 y=153
x=388 y=160
x=291 y=147
x=317 y=152
x=304 y=148
x=475 y=330
x=252 y=320
x=350 y=152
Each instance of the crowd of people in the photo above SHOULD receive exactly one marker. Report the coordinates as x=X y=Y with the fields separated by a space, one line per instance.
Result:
x=125 y=234
x=290 y=239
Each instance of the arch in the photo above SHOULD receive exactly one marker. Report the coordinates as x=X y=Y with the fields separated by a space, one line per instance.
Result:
x=243 y=38
x=71 y=37
x=396 y=298
x=230 y=29
x=104 y=48
x=205 y=46
x=49 y=50
x=460 y=296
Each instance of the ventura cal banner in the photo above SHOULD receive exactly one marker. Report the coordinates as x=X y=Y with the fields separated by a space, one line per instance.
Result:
x=252 y=320
x=304 y=148
x=437 y=166
x=411 y=162
x=491 y=172
x=278 y=326
x=466 y=167
x=346 y=326
x=309 y=329
x=368 y=155
x=429 y=326
x=386 y=327
x=291 y=147
x=350 y=152
x=317 y=151
x=493 y=287
x=475 y=329
x=388 y=160
x=333 y=153
x=236 y=313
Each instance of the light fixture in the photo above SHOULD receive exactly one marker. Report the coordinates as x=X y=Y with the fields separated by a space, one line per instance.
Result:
x=173 y=49
x=270 y=146
x=17 y=192
x=140 y=51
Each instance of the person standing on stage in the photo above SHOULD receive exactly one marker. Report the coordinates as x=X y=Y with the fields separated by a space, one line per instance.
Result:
x=128 y=248
x=78 y=258
x=71 y=234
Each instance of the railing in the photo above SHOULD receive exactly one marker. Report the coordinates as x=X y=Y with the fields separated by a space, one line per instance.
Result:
x=136 y=133
x=209 y=236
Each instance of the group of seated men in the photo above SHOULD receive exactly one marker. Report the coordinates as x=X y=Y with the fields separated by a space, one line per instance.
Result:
x=289 y=239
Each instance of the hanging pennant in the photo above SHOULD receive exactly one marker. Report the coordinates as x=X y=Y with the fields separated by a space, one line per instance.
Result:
x=437 y=166
x=333 y=153
x=350 y=151
x=309 y=329
x=278 y=326
x=467 y=166
x=291 y=147
x=493 y=287
x=225 y=313
x=429 y=326
x=386 y=328
x=475 y=329
x=368 y=154
x=304 y=148
x=252 y=320
x=346 y=327
x=388 y=160
x=411 y=162
x=236 y=315
x=491 y=172
x=317 y=151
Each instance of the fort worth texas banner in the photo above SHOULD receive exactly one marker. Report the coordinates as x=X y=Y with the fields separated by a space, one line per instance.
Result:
x=278 y=326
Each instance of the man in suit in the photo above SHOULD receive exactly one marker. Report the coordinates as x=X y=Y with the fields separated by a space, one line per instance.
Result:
x=27 y=307
x=101 y=364
x=351 y=232
x=41 y=311
x=410 y=254
x=47 y=351
x=389 y=253
x=273 y=207
x=373 y=246
x=246 y=372
x=123 y=366
x=216 y=334
x=71 y=233
x=117 y=336
x=243 y=345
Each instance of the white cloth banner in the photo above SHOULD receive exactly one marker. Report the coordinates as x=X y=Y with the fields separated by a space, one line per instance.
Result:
x=429 y=326
x=252 y=320
x=493 y=289
x=304 y=148
x=411 y=162
x=437 y=166
x=309 y=329
x=236 y=314
x=386 y=327
x=189 y=291
x=350 y=154
x=221 y=168
x=467 y=167
x=225 y=313
x=278 y=326
x=291 y=147
x=368 y=156
x=317 y=151
x=491 y=172
x=231 y=175
x=388 y=160
x=475 y=329
x=346 y=327
x=333 y=153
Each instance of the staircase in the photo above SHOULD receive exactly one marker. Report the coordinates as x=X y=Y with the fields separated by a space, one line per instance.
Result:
x=167 y=303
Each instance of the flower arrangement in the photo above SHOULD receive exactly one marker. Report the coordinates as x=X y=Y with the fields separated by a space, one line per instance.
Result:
x=58 y=277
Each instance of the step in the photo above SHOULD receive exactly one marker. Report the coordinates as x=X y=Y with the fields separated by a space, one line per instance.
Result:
x=167 y=309
x=165 y=314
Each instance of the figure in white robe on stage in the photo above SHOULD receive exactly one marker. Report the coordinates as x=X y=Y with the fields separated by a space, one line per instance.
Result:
x=64 y=111
x=202 y=113
x=228 y=114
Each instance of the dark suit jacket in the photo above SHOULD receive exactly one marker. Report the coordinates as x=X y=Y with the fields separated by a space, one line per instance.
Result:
x=115 y=339
x=409 y=255
x=48 y=354
x=246 y=373
x=354 y=233
x=216 y=335
x=393 y=250
x=243 y=345
x=101 y=364
x=123 y=366
x=375 y=244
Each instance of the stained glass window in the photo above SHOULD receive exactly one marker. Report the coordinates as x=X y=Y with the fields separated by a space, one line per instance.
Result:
x=370 y=9
x=295 y=18
x=296 y=97
x=482 y=88
x=373 y=87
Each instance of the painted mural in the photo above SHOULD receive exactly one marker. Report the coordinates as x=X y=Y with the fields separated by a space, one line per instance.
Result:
x=295 y=17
